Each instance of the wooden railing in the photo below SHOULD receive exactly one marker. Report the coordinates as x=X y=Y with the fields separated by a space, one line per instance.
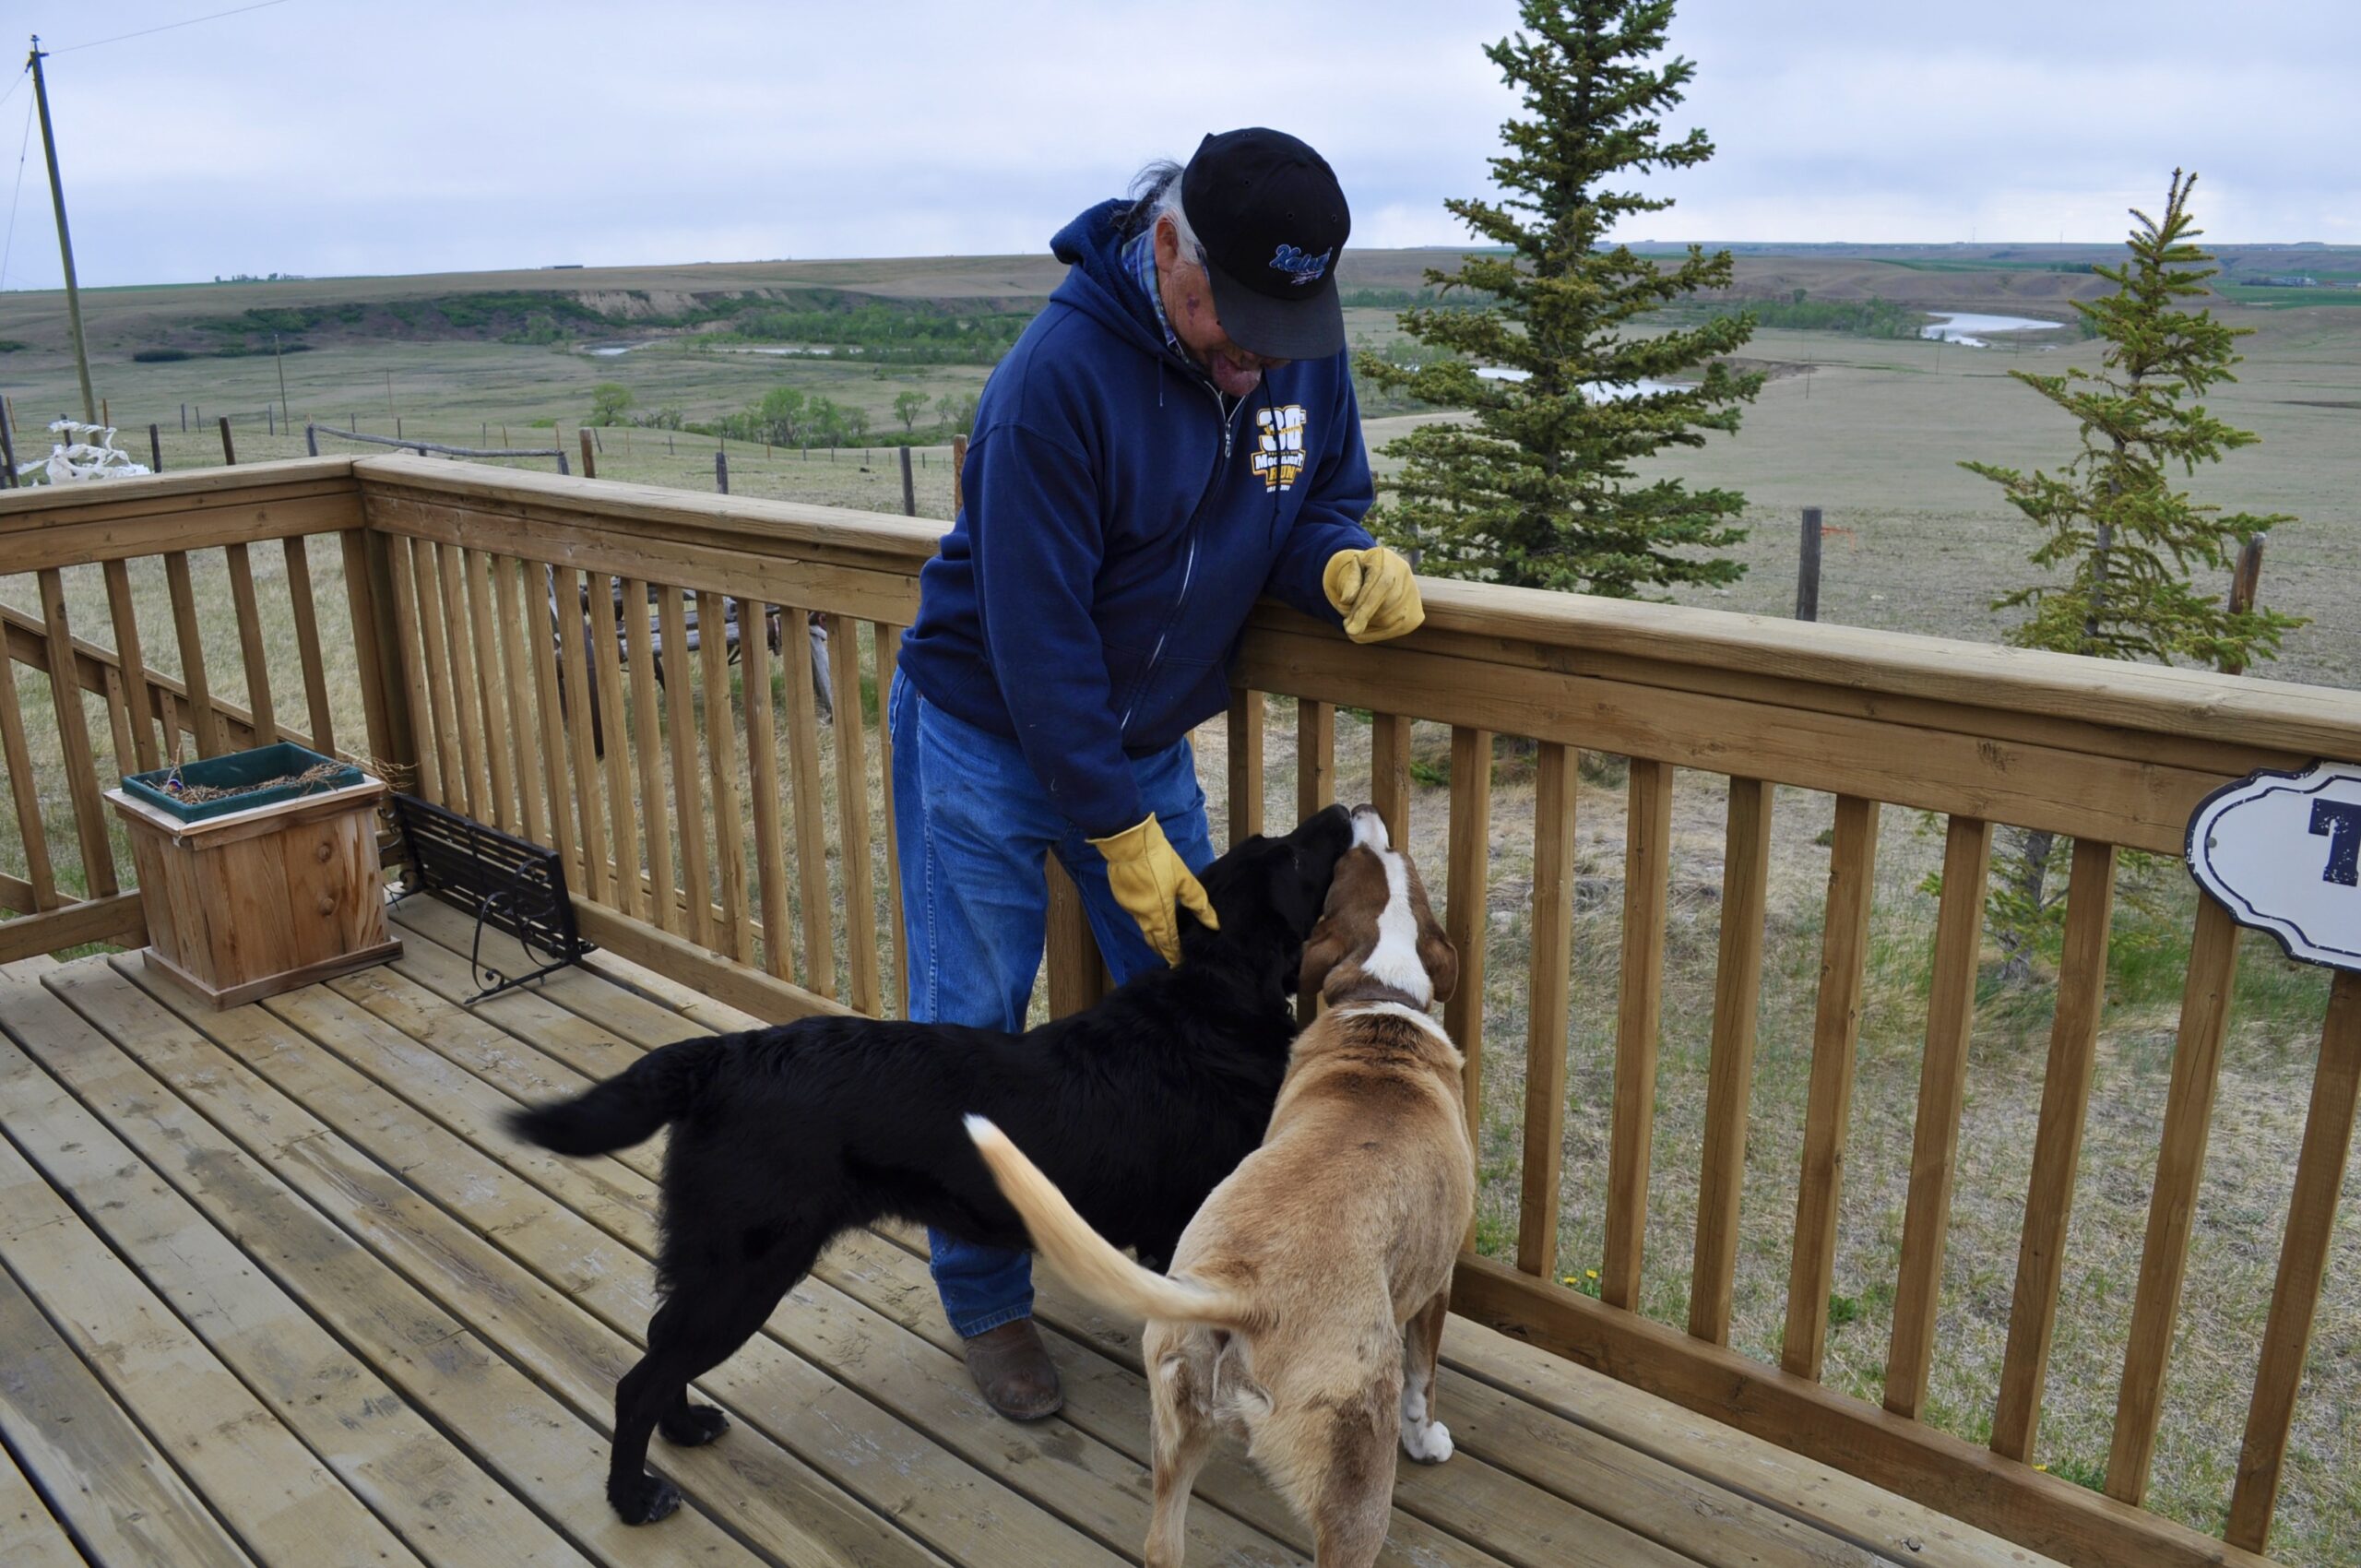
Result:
x=681 y=809
x=2116 y=758
x=150 y=718
x=519 y=652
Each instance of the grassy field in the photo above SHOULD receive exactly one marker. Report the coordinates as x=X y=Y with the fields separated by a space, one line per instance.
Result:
x=1869 y=430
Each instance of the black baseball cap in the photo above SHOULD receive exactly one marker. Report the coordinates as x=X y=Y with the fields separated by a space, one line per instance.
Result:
x=1273 y=221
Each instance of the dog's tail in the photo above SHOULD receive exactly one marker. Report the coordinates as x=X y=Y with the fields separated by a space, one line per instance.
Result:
x=1084 y=1257
x=626 y=1108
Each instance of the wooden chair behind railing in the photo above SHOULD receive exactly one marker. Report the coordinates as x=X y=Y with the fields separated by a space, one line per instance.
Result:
x=151 y=719
x=701 y=838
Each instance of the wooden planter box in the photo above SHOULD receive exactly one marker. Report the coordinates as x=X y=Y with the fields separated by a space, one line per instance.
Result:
x=251 y=903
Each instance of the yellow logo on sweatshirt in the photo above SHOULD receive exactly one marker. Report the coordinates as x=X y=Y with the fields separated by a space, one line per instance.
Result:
x=1278 y=445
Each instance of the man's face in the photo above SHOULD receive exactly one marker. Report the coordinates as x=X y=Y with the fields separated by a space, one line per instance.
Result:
x=1188 y=305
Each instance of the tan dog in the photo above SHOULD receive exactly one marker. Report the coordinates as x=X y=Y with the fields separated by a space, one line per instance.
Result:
x=1284 y=1317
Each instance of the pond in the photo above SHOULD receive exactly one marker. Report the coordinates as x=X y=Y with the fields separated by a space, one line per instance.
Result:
x=1613 y=391
x=1969 y=330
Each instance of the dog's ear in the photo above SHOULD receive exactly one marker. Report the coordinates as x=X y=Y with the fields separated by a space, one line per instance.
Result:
x=1440 y=959
x=1322 y=951
x=1436 y=953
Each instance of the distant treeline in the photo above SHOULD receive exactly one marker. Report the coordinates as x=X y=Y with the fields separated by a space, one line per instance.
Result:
x=898 y=331
x=1871 y=317
x=1415 y=299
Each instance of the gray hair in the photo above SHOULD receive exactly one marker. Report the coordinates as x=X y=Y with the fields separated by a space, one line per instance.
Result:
x=1155 y=194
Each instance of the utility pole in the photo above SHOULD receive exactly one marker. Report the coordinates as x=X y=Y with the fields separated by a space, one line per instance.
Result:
x=64 y=239
x=281 y=362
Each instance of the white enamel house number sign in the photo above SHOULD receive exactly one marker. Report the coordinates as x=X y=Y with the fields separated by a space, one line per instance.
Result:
x=2283 y=853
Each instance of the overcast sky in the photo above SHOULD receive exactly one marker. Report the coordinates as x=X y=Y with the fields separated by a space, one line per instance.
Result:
x=326 y=136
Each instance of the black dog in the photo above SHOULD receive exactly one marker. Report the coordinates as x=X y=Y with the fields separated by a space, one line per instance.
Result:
x=783 y=1138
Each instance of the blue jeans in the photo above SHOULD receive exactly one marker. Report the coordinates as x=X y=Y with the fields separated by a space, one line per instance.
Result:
x=973 y=826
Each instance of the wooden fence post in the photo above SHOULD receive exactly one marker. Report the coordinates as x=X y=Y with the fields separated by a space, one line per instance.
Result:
x=155 y=450
x=106 y=416
x=1807 y=569
x=7 y=453
x=270 y=420
x=721 y=471
x=228 y=452
x=958 y=474
x=2246 y=581
x=910 y=487
x=183 y=419
x=590 y=462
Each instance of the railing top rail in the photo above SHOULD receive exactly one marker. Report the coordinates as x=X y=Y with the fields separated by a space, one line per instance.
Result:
x=2193 y=704
x=57 y=506
x=1462 y=618
x=736 y=520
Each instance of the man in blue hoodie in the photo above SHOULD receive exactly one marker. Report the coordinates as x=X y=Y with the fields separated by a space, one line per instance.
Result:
x=1173 y=436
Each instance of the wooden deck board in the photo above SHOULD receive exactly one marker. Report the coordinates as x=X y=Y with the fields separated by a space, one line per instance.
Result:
x=312 y=1208
x=578 y=1301
x=32 y=1534
x=424 y=1484
x=113 y=1488
x=266 y=1483
x=764 y=1495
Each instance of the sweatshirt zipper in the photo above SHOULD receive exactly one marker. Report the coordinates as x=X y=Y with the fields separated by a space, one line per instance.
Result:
x=1188 y=564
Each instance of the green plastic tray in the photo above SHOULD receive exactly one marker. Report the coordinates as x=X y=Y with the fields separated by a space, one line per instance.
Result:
x=230 y=771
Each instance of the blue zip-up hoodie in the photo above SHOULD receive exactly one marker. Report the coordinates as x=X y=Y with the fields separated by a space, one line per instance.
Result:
x=1118 y=529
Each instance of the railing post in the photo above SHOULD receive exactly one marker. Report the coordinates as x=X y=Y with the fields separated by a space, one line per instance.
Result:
x=385 y=699
x=2245 y=582
x=1807 y=569
x=1077 y=974
x=2303 y=1266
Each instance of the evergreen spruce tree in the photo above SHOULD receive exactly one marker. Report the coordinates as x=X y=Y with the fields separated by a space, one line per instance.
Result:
x=1538 y=489
x=2118 y=543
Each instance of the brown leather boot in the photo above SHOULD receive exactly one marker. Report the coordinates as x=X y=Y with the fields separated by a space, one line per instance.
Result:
x=1013 y=1370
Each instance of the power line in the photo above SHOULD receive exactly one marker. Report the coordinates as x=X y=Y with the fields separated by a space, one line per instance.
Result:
x=238 y=11
x=23 y=144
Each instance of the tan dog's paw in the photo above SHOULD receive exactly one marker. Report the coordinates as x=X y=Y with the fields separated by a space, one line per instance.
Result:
x=1428 y=1442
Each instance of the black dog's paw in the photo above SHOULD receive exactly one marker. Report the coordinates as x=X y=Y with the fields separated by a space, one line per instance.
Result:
x=692 y=1428
x=642 y=1500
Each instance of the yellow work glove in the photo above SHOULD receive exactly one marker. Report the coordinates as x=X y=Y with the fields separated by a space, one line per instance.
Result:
x=1375 y=593
x=1147 y=875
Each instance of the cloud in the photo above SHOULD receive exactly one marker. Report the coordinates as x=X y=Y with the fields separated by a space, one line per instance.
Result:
x=326 y=136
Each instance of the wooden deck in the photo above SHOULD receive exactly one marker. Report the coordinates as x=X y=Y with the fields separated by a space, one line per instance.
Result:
x=277 y=1291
